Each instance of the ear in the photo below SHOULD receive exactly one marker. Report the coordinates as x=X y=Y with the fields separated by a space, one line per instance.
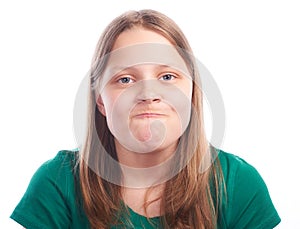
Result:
x=100 y=105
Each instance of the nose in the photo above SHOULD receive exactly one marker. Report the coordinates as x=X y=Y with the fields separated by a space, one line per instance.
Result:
x=148 y=92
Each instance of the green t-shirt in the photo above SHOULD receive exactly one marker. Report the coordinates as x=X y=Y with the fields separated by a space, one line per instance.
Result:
x=51 y=199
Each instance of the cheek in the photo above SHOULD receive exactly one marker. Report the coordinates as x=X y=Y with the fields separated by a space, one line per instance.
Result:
x=110 y=99
x=187 y=89
x=180 y=99
x=117 y=106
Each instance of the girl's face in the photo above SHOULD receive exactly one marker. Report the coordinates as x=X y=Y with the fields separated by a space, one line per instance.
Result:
x=146 y=92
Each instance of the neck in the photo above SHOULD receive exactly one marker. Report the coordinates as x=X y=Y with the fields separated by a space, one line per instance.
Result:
x=141 y=170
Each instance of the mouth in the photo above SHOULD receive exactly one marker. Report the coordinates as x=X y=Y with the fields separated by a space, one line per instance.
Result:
x=149 y=115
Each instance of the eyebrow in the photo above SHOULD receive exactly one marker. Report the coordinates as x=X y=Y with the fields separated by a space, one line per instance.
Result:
x=118 y=68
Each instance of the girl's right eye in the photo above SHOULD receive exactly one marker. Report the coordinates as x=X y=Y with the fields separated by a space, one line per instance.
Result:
x=125 y=80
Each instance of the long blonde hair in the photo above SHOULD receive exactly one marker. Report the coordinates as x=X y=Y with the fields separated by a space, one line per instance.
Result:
x=190 y=198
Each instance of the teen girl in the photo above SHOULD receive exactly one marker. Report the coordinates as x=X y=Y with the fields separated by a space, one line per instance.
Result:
x=145 y=162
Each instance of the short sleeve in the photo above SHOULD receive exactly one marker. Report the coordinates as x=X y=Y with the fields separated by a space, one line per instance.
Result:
x=44 y=204
x=249 y=202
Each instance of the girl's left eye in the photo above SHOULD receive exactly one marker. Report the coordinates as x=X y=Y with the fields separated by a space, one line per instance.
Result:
x=167 y=77
x=125 y=80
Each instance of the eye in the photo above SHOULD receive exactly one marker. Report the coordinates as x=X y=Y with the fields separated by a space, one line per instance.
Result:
x=167 y=77
x=125 y=80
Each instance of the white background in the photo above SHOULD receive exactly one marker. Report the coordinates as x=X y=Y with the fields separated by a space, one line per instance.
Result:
x=251 y=48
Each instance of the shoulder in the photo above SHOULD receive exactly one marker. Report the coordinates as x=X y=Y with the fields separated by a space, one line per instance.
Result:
x=59 y=168
x=240 y=176
x=231 y=164
x=50 y=200
x=229 y=159
x=62 y=158
x=248 y=202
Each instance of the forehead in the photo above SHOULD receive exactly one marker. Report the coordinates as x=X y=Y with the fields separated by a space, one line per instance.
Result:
x=144 y=54
x=140 y=46
x=139 y=35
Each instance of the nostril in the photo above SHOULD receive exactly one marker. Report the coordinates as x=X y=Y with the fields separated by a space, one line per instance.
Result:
x=149 y=97
x=150 y=100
